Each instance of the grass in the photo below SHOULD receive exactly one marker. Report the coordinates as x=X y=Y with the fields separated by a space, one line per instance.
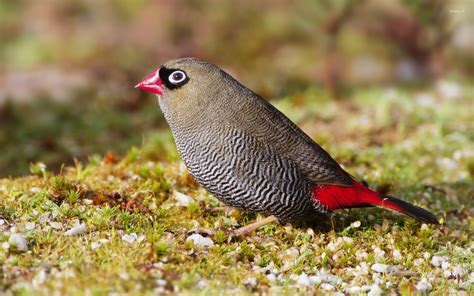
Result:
x=414 y=144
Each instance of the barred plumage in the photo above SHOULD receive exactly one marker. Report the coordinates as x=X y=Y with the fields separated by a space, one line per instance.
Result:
x=240 y=149
x=250 y=155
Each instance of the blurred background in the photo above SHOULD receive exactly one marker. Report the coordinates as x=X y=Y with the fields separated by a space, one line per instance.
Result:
x=68 y=67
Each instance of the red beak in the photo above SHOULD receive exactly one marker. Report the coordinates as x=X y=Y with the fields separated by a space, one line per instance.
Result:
x=152 y=83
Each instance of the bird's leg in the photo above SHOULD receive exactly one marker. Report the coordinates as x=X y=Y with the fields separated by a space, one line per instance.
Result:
x=242 y=231
x=331 y=218
x=224 y=209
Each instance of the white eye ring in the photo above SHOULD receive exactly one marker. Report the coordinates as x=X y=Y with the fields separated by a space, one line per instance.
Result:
x=177 y=77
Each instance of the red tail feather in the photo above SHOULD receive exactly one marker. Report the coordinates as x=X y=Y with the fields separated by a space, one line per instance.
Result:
x=339 y=197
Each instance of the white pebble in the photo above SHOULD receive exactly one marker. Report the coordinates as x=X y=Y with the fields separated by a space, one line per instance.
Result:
x=423 y=285
x=303 y=280
x=271 y=277
x=355 y=224
x=251 y=282
x=327 y=287
x=448 y=89
x=445 y=265
x=438 y=260
x=2 y=222
x=397 y=255
x=315 y=279
x=332 y=279
x=333 y=246
x=418 y=261
x=95 y=245
x=35 y=189
x=30 y=226
x=378 y=267
x=39 y=278
x=200 y=240
x=458 y=271
x=357 y=289
x=76 y=230
x=182 y=199
x=56 y=225
x=160 y=282
x=129 y=238
x=19 y=241
x=379 y=253
x=375 y=290
x=202 y=284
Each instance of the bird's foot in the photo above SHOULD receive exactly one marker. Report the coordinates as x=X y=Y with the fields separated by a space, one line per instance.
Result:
x=200 y=230
x=243 y=231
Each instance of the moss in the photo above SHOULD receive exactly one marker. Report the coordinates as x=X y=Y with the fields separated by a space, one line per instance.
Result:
x=136 y=233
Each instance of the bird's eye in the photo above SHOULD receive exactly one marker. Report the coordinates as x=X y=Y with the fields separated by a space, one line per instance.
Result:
x=177 y=77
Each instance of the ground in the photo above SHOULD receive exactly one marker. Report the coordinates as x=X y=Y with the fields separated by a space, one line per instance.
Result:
x=137 y=225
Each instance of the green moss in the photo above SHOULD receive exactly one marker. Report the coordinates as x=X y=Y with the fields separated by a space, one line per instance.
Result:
x=136 y=233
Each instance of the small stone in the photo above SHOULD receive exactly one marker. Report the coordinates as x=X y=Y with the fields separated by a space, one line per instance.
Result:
x=39 y=278
x=356 y=224
x=332 y=246
x=30 y=226
x=303 y=280
x=331 y=279
x=200 y=240
x=315 y=279
x=327 y=287
x=375 y=290
x=124 y=275
x=381 y=268
x=361 y=254
x=202 y=284
x=271 y=277
x=35 y=189
x=182 y=199
x=5 y=246
x=458 y=271
x=418 y=261
x=129 y=238
x=438 y=260
x=76 y=230
x=56 y=225
x=447 y=274
x=423 y=285
x=18 y=240
x=160 y=282
x=250 y=282
x=379 y=253
x=95 y=245
x=445 y=265
x=357 y=289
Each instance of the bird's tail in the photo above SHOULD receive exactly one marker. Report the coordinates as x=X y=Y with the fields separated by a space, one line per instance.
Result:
x=338 y=197
x=408 y=209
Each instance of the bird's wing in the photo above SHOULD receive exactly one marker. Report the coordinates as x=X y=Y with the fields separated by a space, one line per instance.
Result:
x=273 y=127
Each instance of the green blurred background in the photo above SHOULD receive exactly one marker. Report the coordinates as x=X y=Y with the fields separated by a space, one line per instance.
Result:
x=68 y=67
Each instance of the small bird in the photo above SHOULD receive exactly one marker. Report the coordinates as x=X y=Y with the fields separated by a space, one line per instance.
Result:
x=249 y=155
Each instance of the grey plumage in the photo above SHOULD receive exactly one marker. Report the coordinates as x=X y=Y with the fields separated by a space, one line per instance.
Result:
x=241 y=148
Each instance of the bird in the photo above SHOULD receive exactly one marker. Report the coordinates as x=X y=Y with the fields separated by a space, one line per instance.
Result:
x=249 y=155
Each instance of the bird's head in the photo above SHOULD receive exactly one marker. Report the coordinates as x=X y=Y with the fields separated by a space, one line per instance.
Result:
x=193 y=92
x=187 y=85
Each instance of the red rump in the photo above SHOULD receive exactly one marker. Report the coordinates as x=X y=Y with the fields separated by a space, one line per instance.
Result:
x=339 y=197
